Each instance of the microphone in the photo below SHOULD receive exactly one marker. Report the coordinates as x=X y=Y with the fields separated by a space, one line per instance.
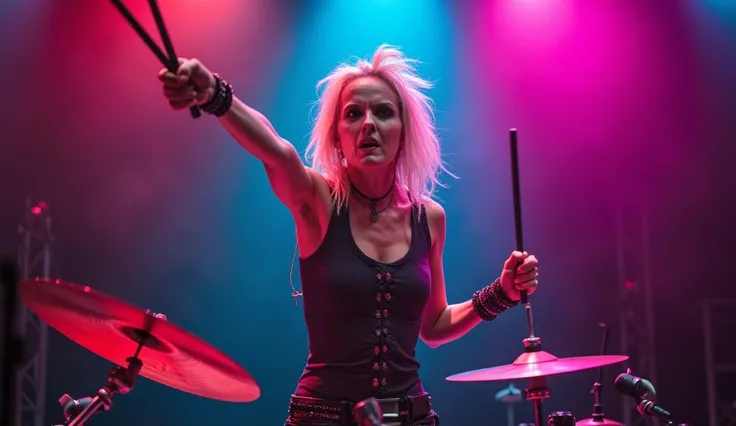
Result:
x=635 y=387
x=72 y=407
x=368 y=413
x=643 y=392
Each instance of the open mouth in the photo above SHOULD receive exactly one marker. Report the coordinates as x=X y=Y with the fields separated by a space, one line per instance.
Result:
x=368 y=144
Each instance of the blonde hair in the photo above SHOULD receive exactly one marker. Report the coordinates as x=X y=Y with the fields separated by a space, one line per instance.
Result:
x=420 y=161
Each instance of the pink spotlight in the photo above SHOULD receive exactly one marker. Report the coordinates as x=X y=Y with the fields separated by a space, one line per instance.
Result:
x=39 y=208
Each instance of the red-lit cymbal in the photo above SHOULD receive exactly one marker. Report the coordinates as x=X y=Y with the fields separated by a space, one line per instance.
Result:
x=593 y=422
x=536 y=364
x=108 y=327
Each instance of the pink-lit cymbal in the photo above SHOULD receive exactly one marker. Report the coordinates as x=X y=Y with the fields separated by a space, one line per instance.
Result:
x=536 y=364
x=594 y=422
x=109 y=327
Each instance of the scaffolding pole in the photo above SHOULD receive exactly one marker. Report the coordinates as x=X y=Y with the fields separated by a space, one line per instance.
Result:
x=721 y=411
x=35 y=260
x=636 y=319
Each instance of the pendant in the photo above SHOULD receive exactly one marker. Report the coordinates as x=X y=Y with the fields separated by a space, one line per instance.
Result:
x=374 y=213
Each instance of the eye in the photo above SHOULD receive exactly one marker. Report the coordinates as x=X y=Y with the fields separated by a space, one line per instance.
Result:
x=352 y=112
x=384 y=112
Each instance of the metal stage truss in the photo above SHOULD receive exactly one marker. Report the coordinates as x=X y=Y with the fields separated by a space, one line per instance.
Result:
x=719 y=327
x=636 y=319
x=35 y=259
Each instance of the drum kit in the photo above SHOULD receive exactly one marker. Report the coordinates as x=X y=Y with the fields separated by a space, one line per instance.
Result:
x=143 y=343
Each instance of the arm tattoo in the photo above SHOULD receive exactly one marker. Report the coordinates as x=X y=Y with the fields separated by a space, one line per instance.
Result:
x=306 y=212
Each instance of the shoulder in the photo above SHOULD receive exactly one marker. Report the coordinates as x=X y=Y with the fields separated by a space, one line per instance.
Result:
x=316 y=175
x=435 y=212
x=436 y=219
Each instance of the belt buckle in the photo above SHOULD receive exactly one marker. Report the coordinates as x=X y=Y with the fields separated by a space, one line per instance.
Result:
x=390 y=409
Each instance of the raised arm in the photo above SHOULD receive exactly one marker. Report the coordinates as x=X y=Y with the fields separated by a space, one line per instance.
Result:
x=291 y=180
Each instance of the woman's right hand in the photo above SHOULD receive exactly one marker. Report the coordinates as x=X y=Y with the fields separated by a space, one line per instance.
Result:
x=193 y=84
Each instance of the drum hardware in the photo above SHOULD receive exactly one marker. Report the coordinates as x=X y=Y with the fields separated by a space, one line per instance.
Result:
x=161 y=351
x=561 y=418
x=120 y=380
x=598 y=418
x=509 y=396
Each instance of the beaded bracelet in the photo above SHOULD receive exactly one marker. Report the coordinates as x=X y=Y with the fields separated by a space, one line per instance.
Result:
x=490 y=301
x=221 y=100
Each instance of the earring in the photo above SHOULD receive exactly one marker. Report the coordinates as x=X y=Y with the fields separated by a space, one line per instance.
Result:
x=343 y=161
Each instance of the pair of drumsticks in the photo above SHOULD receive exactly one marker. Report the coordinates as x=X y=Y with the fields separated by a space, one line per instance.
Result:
x=168 y=59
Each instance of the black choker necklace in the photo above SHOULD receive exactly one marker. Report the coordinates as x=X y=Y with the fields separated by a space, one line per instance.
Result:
x=374 y=201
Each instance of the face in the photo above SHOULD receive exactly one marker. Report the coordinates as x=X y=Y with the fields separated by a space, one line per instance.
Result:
x=369 y=127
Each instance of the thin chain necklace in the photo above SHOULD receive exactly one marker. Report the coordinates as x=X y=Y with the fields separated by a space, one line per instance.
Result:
x=374 y=215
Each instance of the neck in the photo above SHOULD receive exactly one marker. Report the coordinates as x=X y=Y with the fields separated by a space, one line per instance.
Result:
x=372 y=185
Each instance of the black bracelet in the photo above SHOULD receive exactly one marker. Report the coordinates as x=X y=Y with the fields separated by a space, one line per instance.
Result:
x=221 y=100
x=490 y=301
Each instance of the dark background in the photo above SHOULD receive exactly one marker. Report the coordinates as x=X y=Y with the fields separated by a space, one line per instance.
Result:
x=624 y=104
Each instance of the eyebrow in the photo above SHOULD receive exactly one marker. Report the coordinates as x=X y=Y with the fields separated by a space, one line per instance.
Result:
x=381 y=103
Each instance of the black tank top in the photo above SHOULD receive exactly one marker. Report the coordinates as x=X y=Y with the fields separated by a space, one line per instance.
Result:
x=363 y=316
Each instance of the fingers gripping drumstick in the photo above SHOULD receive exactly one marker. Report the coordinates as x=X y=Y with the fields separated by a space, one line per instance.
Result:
x=517 y=198
x=170 y=62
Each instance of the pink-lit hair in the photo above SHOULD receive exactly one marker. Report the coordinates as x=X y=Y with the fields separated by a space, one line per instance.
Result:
x=419 y=162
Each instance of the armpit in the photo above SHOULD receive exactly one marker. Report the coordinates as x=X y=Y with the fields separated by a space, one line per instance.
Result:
x=306 y=211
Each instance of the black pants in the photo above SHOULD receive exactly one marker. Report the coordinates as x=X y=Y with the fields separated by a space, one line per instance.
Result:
x=409 y=411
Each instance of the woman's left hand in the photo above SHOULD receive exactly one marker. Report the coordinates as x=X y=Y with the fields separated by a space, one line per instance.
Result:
x=520 y=272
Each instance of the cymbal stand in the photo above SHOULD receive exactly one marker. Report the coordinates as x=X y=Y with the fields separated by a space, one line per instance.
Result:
x=120 y=380
x=598 y=416
x=537 y=390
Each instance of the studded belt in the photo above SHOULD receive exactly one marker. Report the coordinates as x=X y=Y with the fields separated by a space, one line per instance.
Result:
x=396 y=411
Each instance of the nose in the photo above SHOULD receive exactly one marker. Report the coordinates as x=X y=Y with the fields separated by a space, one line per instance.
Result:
x=369 y=126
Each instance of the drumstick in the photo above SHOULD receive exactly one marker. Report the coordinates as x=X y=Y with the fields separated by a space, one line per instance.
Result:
x=517 y=198
x=171 y=62
x=156 y=12
x=173 y=59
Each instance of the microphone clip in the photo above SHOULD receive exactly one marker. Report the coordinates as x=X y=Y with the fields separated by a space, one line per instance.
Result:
x=649 y=408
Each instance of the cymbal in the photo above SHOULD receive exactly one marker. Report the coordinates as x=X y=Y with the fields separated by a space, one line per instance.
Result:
x=109 y=327
x=594 y=422
x=536 y=364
